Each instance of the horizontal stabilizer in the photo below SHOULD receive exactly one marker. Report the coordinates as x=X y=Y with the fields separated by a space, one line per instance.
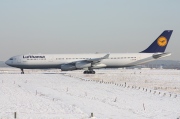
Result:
x=161 y=55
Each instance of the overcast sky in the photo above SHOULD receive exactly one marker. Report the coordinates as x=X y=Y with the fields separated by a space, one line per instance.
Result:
x=86 y=26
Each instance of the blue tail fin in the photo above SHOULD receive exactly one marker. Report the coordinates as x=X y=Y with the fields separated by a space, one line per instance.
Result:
x=159 y=45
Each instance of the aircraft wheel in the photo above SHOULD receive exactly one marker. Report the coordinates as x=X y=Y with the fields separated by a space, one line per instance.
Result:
x=89 y=72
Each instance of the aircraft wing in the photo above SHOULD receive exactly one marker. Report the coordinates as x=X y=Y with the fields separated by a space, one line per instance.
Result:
x=94 y=60
x=81 y=64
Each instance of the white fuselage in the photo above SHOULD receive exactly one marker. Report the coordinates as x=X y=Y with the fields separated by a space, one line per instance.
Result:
x=69 y=62
x=43 y=61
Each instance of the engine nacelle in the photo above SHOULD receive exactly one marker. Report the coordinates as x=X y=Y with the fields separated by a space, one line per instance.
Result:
x=97 y=66
x=81 y=65
x=68 y=67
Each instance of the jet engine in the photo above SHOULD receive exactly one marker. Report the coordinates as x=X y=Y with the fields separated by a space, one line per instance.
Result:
x=81 y=65
x=97 y=66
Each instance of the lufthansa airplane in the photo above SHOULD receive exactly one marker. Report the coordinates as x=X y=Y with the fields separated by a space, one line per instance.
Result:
x=88 y=62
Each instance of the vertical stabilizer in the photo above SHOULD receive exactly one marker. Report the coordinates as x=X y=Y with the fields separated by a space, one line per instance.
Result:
x=159 y=45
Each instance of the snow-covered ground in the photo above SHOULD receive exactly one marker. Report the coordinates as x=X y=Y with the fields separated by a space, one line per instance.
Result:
x=109 y=94
x=167 y=80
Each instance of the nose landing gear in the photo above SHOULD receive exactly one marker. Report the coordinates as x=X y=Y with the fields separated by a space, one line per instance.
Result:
x=22 y=71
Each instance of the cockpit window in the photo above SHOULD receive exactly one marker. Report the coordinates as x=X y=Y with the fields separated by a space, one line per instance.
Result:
x=11 y=59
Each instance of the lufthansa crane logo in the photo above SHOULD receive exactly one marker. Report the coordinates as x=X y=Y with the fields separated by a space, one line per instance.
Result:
x=162 y=41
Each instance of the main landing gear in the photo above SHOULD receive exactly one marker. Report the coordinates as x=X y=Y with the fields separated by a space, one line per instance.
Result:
x=22 y=71
x=89 y=72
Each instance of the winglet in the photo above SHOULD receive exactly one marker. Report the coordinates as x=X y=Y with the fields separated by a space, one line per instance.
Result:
x=106 y=56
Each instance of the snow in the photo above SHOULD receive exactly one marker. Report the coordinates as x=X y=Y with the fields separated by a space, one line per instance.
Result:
x=73 y=95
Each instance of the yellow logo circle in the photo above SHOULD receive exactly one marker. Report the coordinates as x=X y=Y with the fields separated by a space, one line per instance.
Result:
x=162 y=41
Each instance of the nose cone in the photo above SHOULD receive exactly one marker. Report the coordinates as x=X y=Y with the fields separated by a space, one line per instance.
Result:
x=7 y=62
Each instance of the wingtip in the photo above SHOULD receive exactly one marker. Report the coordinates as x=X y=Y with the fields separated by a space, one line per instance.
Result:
x=106 y=56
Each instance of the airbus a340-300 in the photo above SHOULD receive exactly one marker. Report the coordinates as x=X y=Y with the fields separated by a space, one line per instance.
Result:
x=88 y=62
